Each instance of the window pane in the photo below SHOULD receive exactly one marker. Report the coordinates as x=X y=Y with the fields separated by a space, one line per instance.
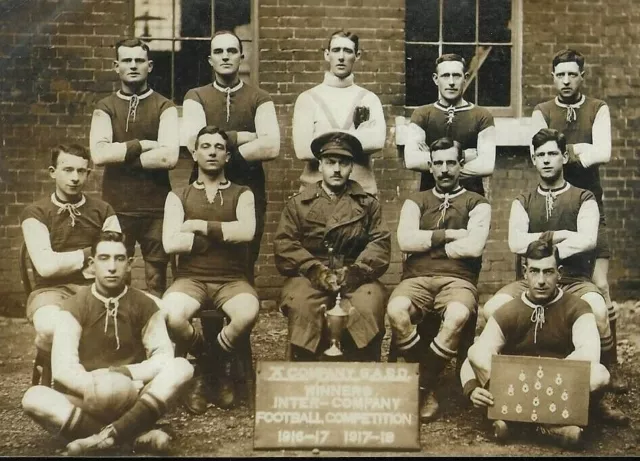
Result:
x=191 y=67
x=459 y=21
x=160 y=76
x=196 y=18
x=467 y=52
x=230 y=14
x=494 y=21
x=495 y=78
x=422 y=20
x=154 y=19
x=420 y=61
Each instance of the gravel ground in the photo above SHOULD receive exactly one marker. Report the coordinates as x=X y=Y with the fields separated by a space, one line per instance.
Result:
x=460 y=430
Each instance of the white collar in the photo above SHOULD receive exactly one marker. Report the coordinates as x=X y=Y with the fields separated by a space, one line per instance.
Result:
x=127 y=97
x=554 y=192
x=461 y=108
x=104 y=299
x=227 y=89
x=336 y=82
x=451 y=195
x=574 y=105
x=64 y=205
x=221 y=186
x=532 y=305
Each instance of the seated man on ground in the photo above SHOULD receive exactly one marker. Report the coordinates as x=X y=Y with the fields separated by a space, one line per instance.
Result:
x=544 y=321
x=333 y=223
x=112 y=360
x=443 y=232
x=58 y=232
x=570 y=217
x=209 y=224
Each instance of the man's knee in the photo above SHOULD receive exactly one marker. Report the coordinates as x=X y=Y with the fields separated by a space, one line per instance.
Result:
x=36 y=400
x=399 y=307
x=598 y=306
x=493 y=304
x=456 y=316
x=243 y=310
x=599 y=377
x=180 y=369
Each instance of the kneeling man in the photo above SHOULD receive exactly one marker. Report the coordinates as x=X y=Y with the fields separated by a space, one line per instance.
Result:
x=333 y=220
x=544 y=321
x=210 y=224
x=443 y=232
x=113 y=366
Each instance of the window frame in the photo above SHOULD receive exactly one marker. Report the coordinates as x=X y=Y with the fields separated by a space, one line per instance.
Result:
x=254 y=62
x=515 y=109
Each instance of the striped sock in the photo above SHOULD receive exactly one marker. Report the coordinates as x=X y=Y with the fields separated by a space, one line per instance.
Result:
x=141 y=417
x=442 y=351
x=223 y=341
x=79 y=424
x=409 y=341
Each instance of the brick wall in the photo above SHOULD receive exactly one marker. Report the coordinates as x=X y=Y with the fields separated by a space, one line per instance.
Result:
x=56 y=56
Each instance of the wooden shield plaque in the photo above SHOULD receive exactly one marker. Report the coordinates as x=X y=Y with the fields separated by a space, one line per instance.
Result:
x=540 y=390
x=372 y=406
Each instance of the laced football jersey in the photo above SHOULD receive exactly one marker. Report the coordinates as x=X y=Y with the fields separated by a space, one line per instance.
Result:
x=129 y=188
x=462 y=124
x=71 y=227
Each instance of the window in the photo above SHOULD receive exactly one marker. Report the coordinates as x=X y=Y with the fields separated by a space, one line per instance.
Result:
x=485 y=32
x=179 y=34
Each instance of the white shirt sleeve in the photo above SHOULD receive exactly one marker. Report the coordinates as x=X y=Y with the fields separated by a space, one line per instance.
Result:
x=585 y=238
x=165 y=156
x=48 y=263
x=103 y=149
x=244 y=228
x=173 y=240
x=267 y=145
x=490 y=343
x=473 y=244
x=416 y=153
x=193 y=120
x=485 y=161
x=600 y=151
x=410 y=238
x=519 y=235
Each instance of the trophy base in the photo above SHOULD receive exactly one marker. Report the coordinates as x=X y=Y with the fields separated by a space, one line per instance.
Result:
x=333 y=354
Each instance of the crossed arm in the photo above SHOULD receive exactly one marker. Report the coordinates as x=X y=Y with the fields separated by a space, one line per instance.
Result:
x=49 y=263
x=193 y=235
x=160 y=154
x=458 y=243
x=263 y=145
x=478 y=161
x=568 y=242
x=588 y=154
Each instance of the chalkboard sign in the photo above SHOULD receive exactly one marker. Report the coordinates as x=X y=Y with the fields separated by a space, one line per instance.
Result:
x=337 y=405
x=539 y=390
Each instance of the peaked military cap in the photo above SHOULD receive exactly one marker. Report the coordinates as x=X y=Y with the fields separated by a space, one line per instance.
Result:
x=337 y=143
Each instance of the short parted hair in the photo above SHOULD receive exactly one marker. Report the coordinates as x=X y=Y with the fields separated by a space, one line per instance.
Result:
x=211 y=129
x=346 y=34
x=132 y=43
x=542 y=248
x=71 y=149
x=451 y=57
x=108 y=236
x=228 y=32
x=549 y=134
x=568 y=55
x=446 y=143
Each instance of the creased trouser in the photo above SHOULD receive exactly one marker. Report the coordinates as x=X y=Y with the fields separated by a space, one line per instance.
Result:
x=301 y=303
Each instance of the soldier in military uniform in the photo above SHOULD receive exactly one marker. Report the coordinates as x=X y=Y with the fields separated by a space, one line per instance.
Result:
x=337 y=218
